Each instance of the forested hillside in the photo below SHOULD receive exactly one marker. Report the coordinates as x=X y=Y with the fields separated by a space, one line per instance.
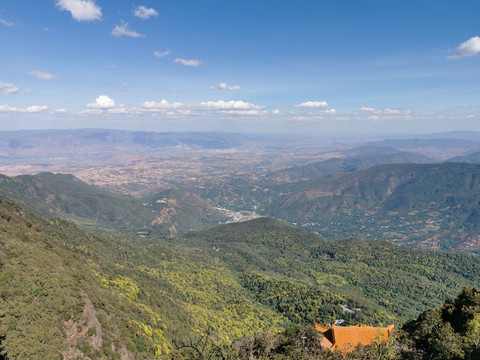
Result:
x=429 y=206
x=66 y=293
x=59 y=195
x=118 y=296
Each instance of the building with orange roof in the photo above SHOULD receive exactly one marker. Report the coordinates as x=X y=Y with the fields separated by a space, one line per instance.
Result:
x=346 y=338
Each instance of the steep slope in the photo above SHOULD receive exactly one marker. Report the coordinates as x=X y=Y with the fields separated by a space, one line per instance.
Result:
x=184 y=211
x=65 y=196
x=52 y=305
x=69 y=294
x=433 y=206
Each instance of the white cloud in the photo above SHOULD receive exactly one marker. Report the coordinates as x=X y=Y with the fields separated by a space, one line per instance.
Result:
x=122 y=30
x=224 y=86
x=8 y=88
x=470 y=47
x=303 y=118
x=30 y=109
x=233 y=107
x=6 y=23
x=312 y=104
x=163 y=104
x=229 y=105
x=102 y=102
x=330 y=112
x=5 y=108
x=42 y=75
x=144 y=12
x=276 y=112
x=236 y=107
x=161 y=54
x=368 y=109
x=188 y=62
x=391 y=111
x=36 y=108
x=81 y=10
x=61 y=110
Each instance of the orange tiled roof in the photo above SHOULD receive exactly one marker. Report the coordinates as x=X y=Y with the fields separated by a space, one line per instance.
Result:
x=346 y=338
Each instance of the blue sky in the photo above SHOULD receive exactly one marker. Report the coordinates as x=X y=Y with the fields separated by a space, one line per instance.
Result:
x=316 y=67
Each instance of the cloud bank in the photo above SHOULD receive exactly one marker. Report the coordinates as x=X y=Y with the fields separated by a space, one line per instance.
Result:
x=29 y=109
x=312 y=104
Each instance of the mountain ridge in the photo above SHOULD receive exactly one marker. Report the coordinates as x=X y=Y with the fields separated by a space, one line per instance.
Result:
x=396 y=202
x=97 y=209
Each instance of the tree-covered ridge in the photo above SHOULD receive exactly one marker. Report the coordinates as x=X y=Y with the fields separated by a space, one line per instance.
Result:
x=386 y=281
x=428 y=206
x=183 y=210
x=94 y=209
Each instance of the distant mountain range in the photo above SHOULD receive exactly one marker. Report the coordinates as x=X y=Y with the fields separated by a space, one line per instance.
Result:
x=41 y=144
x=352 y=160
x=98 y=140
x=440 y=148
